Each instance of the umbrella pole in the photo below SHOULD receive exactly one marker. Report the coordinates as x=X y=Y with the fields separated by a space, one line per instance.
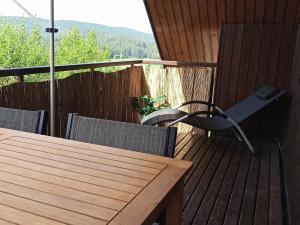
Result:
x=52 y=31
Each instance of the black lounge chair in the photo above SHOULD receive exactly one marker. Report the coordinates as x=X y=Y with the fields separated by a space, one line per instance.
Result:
x=218 y=119
x=130 y=136
x=23 y=120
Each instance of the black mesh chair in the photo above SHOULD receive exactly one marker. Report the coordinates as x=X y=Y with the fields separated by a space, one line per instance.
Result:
x=218 y=119
x=130 y=136
x=22 y=120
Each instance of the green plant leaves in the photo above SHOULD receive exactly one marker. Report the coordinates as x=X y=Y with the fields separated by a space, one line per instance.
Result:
x=146 y=105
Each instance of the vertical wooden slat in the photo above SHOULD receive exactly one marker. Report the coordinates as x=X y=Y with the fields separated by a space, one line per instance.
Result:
x=221 y=12
x=228 y=33
x=291 y=8
x=166 y=29
x=260 y=10
x=274 y=54
x=240 y=11
x=262 y=199
x=254 y=59
x=214 y=31
x=181 y=30
x=235 y=65
x=189 y=28
x=230 y=11
x=158 y=29
x=249 y=11
x=281 y=11
x=244 y=63
x=170 y=17
x=195 y=18
x=205 y=28
x=275 y=201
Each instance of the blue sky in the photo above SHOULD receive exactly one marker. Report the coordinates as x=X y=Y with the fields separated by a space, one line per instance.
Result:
x=123 y=13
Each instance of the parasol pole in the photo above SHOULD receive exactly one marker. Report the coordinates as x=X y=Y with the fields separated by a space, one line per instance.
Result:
x=52 y=31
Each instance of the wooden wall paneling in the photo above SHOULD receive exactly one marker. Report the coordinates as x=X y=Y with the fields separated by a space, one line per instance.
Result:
x=170 y=17
x=235 y=65
x=297 y=18
x=181 y=30
x=158 y=30
x=230 y=11
x=244 y=62
x=270 y=11
x=291 y=58
x=189 y=29
x=240 y=11
x=221 y=12
x=166 y=29
x=205 y=27
x=214 y=31
x=281 y=11
x=209 y=18
x=284 y=56
x=253 y=70
x=291 y=9
x=264 y=54
x=259 y=10
x=258 y=51
x=291 y=141
x=249 y=11
x=254 y=59
x=274 y=55
x=228 y=34
x=197 y=30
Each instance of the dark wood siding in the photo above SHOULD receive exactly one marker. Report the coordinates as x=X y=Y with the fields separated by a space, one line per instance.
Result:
x=251 y=56
x=290 y=148
x=189 y=29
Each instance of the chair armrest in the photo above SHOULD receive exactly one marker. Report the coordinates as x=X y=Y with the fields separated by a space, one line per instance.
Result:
x=195 y=102
x=196 y=114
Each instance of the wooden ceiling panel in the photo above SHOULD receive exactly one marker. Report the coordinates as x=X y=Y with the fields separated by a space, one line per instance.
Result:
x=188 y=30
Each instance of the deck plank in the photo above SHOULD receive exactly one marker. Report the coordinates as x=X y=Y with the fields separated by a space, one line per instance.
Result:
x=228 y=185
x=206 y=176
x=221 y=204
x=275 y=214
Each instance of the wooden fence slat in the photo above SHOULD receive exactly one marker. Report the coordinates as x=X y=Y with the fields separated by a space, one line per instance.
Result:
x=107 y=95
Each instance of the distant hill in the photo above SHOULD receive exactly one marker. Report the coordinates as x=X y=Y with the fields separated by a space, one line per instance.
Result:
x=123 y=42
x=65 y=25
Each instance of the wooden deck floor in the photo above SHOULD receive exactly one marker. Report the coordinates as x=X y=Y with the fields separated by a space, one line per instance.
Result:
x=228 y=185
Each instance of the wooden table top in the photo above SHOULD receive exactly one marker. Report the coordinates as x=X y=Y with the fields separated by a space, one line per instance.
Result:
x=46 y=180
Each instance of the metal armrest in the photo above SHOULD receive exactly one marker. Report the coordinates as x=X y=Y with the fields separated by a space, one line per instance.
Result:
x=196 y=114
x=219 y=113
x=195 y=102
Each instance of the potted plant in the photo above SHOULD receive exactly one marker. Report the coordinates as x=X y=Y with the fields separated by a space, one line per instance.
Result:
x=146 y=104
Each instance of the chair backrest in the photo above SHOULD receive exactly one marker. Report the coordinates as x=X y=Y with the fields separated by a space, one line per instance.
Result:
x=23 y=120
x=130 y=136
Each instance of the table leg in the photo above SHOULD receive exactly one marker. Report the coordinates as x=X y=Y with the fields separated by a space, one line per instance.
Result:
x=175 y=206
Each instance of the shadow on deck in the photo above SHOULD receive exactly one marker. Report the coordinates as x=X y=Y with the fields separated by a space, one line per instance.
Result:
x=228 y=185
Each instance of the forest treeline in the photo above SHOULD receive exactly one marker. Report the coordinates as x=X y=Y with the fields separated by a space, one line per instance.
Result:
x=24 y=47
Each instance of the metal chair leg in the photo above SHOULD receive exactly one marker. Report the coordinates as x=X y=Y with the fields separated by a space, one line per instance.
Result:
x=242 y=135
x=236 y=134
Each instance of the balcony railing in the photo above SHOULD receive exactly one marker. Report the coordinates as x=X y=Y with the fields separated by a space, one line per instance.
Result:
x=107 y=95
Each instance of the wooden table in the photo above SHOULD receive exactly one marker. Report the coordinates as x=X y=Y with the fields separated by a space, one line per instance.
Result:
x=46 y=180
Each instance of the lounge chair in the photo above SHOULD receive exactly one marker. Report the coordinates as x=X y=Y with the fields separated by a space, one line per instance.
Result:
x=219 y=120
x=136 y=137
x=23 y=120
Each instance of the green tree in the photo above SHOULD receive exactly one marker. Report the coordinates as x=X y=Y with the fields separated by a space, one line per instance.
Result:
x=19 y=48
x=76 y=48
